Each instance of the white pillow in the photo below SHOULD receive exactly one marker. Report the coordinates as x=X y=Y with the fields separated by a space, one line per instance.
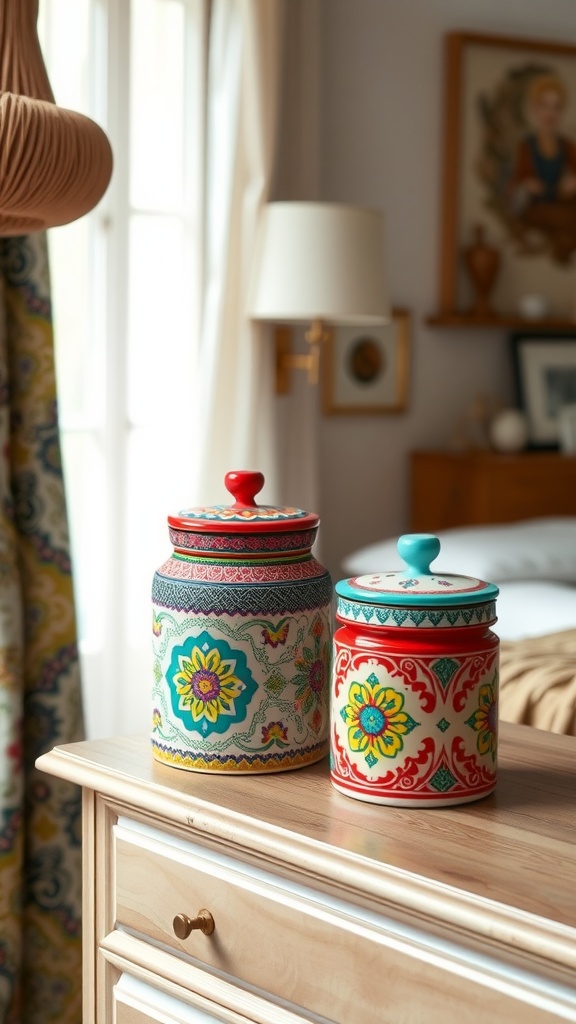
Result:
x=533 y=608
x=534 y=549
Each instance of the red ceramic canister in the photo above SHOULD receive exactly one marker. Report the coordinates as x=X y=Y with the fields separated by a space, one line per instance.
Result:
x=414 y=713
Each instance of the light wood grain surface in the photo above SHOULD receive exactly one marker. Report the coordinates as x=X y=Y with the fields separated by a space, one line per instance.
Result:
x=468 y=907
x=517 y=846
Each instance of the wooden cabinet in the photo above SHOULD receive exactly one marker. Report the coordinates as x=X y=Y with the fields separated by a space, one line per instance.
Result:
x=325 y=909
x=466 y=488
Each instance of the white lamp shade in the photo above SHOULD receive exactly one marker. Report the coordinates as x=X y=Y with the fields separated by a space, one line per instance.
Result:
x=319 y=260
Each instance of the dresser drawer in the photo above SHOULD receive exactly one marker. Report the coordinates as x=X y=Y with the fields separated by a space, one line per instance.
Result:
x=136 y=1002
x=273 y=939
x=280 y=939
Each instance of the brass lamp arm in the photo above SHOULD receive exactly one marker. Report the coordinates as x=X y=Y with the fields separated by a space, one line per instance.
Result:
x=286 y=360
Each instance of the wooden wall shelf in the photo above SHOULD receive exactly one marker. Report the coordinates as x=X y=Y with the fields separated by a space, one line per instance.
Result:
x=500 y=322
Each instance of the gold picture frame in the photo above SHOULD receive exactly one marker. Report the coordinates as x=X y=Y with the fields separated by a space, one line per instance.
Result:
x=492 y=84
x=366 y=369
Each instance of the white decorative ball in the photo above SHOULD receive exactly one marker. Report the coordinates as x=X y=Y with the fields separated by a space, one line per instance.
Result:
x=509 y=431
x=533 y=307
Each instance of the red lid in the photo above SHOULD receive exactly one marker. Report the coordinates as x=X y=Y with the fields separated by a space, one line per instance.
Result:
x=244 y=516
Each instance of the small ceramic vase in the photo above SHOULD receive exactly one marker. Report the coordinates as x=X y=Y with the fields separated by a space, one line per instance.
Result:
x=242 y=638
x=415 y=684
x=483 y=264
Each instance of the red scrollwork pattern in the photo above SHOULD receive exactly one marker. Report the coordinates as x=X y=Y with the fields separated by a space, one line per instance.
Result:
x=470 y=772
x=417 y=675
x=341 y=665
x=473 y=669
x=414 y=673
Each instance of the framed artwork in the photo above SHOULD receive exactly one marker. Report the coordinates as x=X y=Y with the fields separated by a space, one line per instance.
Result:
x=366 y=368
x=545 y=368
x=509 y=173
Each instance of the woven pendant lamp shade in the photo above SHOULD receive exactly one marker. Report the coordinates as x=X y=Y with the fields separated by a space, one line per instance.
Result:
x=55 y=164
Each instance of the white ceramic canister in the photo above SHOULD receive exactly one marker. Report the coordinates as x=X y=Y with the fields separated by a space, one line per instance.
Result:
x=242 y=637
x=414 y=720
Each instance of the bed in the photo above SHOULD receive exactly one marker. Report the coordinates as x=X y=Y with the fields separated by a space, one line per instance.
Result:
x=533 y=562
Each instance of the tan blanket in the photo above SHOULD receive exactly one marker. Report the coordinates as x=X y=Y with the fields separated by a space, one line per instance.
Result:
x=538 y=682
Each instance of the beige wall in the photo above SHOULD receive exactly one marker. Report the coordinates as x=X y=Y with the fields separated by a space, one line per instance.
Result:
x=379 y=143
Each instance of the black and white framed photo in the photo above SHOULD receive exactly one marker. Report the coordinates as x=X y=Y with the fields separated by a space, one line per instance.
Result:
x=366 y=368
x=545 y=366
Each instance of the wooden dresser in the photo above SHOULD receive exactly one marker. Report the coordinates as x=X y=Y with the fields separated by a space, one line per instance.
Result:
x=467 y=488
x=324 y=908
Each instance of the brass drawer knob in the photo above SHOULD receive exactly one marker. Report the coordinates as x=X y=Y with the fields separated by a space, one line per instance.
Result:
x=183 y=925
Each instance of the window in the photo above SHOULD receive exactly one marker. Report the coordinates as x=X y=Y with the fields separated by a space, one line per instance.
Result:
x=126 y=295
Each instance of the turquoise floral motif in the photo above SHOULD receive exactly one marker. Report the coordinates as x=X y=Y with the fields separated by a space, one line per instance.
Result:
x=376 y=720
x=211 y=685
x=484 y=721
x=312 y=667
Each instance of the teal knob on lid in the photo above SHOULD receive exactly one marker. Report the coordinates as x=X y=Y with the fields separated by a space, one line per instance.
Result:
x=418 y=550
x=416 y=586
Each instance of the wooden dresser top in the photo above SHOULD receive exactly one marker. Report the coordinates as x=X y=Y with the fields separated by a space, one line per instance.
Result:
x=510 y=855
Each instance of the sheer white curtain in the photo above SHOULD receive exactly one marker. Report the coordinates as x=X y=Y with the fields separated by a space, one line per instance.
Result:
x=242 y=116
x=163 y=385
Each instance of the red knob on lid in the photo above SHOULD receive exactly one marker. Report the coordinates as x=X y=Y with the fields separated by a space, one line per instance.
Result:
x=244 y=485
x=245 y=515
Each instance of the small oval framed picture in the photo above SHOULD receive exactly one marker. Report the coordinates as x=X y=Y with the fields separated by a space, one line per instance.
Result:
x=366 y=368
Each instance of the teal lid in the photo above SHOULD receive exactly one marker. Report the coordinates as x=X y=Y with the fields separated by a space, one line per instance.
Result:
x=417 y=586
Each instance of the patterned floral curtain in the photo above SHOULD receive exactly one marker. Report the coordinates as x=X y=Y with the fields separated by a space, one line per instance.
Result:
x=40 y=702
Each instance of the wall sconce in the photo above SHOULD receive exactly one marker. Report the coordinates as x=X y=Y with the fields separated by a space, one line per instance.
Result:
x=321 y=264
